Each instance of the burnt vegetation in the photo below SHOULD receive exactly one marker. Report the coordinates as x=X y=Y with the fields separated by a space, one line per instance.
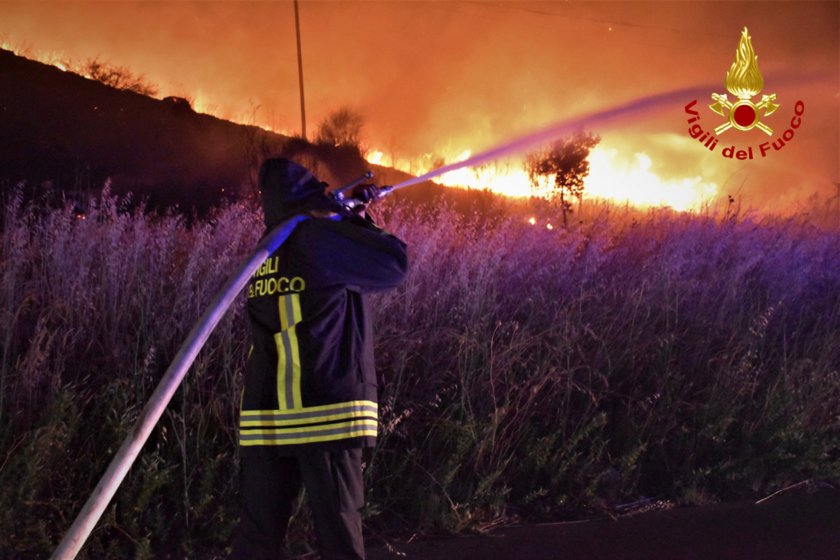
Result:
x=117 y=77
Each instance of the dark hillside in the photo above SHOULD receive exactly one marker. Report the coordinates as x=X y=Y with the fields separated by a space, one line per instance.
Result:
x=62 y=130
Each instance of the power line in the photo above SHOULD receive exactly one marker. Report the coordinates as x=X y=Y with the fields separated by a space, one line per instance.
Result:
x=511 y=6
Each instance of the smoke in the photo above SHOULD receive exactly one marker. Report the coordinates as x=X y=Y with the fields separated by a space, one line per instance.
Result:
x=442 y=77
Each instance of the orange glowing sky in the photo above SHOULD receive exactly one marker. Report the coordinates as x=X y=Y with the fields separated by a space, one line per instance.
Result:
x=445 y=77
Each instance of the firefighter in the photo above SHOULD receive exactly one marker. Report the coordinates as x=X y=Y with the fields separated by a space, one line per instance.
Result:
x=309 y=403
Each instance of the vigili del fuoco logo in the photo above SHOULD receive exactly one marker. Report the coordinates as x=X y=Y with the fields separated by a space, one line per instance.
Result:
x=744 y=81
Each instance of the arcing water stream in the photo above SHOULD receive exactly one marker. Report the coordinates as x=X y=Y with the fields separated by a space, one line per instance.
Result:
x=631 y=110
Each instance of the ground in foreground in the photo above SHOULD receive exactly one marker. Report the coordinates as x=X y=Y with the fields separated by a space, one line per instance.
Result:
x=792 y=526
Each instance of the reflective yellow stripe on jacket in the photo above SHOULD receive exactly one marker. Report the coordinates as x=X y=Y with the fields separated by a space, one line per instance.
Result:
x=292 y=423
x=288 y=353
x=308 y=425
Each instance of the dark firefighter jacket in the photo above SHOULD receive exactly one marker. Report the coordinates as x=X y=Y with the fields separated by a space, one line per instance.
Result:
x=310 y=377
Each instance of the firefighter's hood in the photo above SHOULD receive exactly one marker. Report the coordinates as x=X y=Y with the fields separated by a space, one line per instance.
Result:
x=288 y=189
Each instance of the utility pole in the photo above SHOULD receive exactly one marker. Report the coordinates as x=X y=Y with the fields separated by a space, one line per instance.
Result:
x=300 y=74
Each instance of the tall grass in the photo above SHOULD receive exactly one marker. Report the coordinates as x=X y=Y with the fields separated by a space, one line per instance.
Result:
x=94 y=310
x=541 y=372
x=527 y=373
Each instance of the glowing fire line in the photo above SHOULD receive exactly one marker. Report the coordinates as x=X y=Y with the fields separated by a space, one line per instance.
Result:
x=643 y=176
x=543 y=136
x=610 y=177
x=637 y=186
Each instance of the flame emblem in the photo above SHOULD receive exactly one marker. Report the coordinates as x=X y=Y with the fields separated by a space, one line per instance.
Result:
x=744 y=81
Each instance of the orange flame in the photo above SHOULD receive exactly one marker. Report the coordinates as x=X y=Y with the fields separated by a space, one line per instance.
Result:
x=611 y=177
x=633 y=183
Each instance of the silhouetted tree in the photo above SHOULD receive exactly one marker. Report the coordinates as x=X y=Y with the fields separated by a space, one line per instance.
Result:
x=117 y=77
x=566 y=160
x=342 y=127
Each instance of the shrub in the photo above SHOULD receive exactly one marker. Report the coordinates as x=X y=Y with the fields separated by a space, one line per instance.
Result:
x=117 y=77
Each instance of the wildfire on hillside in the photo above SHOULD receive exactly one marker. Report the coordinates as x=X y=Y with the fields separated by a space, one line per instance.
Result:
x=619 y=180
x=429 y=86
x=610 y=178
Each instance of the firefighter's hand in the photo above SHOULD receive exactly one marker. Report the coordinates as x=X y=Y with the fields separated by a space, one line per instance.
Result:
x=365 y=193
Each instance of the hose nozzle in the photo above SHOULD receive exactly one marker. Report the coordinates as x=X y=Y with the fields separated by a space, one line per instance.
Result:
x=370 y=193
x=339 y=195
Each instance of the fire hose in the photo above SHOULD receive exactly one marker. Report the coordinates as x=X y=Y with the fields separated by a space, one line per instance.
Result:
x=134 y=441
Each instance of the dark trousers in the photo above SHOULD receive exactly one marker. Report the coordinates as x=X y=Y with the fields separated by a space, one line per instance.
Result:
x=270 y=483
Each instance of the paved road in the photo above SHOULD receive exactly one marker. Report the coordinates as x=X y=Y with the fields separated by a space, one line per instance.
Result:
x=797 y=525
